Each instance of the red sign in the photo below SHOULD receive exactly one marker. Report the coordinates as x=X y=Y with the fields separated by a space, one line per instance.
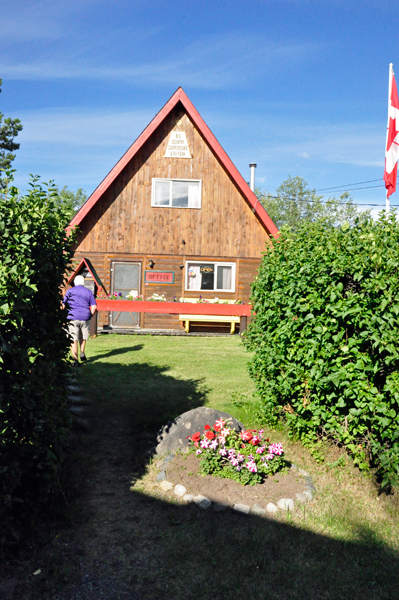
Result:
x=159 y=276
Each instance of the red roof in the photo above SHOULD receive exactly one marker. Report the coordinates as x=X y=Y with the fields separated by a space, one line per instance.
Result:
x=178 y=96
x=87 y=263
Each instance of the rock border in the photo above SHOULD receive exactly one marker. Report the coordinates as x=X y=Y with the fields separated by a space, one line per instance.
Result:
x=284 y=504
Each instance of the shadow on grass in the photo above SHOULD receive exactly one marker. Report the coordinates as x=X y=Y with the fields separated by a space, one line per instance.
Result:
x=202 y=555
x=123 y=544
x=116 y=352
x=144 y=396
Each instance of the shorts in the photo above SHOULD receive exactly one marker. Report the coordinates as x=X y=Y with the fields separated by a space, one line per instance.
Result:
x=79 y=330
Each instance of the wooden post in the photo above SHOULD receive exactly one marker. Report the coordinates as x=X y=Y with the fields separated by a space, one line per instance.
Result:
x=243 y=324
x=93 y=326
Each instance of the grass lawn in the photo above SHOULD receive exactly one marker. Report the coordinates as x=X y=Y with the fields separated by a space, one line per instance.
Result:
x=125 y=540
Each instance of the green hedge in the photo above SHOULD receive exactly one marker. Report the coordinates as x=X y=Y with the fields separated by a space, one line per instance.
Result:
x=326 y=338
x=34 y=256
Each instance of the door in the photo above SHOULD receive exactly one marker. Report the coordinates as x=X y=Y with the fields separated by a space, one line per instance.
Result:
x=126 y=278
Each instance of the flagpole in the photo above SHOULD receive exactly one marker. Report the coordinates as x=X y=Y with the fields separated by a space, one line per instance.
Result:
x=389 y=106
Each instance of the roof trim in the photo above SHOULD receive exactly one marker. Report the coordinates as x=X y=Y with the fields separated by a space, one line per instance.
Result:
x=178 y=96
x=92 y=271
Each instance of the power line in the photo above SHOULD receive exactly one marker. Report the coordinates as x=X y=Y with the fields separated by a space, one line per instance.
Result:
x=349 y=202
x=348 y=185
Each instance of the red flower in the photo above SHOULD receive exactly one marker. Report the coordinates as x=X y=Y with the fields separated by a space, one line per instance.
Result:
x=255 y=441
x=196 y=437
x=210 y=435
x=246 y=436
x=207 y=427
x=217 y=427
x=242 y=445
x=196 y=444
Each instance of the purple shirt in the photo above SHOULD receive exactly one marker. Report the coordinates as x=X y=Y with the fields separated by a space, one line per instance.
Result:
x=78 y=300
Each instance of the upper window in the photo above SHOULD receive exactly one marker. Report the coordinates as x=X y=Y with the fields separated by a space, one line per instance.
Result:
x=218 y=277
x=178 y=193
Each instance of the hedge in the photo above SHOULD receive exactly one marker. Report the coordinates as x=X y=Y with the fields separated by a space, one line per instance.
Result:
x=34 y=422
x=326 y=338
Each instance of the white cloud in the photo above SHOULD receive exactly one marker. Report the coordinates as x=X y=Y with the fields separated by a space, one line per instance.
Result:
x=82 y=128
x=211 y=63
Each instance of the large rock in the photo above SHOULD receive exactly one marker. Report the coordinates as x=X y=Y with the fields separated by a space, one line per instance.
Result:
x=173 y=436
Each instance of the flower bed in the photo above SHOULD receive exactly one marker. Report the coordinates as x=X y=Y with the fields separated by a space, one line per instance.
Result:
x=247 y=457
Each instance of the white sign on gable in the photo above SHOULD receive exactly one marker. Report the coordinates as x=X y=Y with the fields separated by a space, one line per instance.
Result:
x=177 y=146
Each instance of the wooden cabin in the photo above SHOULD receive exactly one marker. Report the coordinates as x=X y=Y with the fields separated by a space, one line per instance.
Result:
x=173 y=217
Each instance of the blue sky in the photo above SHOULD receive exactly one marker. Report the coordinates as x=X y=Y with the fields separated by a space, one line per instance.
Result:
x=298 y=86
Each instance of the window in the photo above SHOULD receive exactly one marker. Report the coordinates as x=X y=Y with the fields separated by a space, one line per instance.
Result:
x=217 y=277
x=178 y=193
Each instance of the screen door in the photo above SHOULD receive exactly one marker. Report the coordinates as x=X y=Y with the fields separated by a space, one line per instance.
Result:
x=126 y=278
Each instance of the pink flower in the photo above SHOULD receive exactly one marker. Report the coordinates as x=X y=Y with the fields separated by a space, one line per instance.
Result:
x=234 y=461
x=222 y=451
x=260 y=450
x=198 y=451
x=269 y=456
x=222 y=439
x=241 y=457
x=220 y=423
x=225 y=432
x=205 y=443
x=276 y=449
x=251 y=466
x=213 y=445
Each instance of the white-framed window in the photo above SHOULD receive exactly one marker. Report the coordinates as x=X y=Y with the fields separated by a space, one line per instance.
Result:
x=177 y=193
x=210 y=276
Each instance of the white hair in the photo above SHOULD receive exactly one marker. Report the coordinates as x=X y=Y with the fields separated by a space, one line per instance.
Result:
x=79 y=280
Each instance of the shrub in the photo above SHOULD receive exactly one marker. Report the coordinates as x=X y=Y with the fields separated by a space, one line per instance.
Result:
x=326 y=338
x=34 y=256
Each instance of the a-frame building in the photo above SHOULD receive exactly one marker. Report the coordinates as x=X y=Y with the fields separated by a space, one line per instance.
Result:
x=173 y=217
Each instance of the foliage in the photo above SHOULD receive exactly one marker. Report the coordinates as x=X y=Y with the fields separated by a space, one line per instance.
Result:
x=246 y=457
x=34 y=256
x=295 y=202
x=70 y=201
x=326 y=337
x=9 y=129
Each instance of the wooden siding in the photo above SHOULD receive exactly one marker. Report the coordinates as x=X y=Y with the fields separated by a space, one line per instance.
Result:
x=245 y=272
x=124 y=223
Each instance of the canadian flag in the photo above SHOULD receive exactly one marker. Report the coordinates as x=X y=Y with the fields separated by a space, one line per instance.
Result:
x=392 y=146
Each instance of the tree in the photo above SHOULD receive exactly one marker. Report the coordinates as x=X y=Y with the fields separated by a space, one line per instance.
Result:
x=71 y=201
x=9 y=129
x=295 y=201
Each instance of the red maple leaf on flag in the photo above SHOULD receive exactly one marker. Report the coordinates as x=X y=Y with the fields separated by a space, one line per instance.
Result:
x=392 y=146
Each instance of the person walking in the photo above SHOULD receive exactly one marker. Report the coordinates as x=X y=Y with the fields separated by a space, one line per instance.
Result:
x=81 y=306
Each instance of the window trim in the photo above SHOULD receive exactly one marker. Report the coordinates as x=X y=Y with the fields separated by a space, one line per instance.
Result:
x=216 y=264
x=171 y=179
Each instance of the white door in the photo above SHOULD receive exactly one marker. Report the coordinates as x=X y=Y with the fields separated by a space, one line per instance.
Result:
x=126 y=277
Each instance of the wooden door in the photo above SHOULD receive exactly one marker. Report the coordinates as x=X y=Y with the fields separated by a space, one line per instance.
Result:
x=126 y=278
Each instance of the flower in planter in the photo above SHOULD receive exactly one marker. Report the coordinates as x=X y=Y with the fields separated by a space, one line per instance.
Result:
x=157 y=298
x=240 y=456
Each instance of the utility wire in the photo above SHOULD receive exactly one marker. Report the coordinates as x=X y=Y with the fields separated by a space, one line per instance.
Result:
x=348 y=185
x=349 y=202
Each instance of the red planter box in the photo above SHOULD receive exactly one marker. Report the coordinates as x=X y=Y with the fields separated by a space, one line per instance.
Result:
x=175 y=308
